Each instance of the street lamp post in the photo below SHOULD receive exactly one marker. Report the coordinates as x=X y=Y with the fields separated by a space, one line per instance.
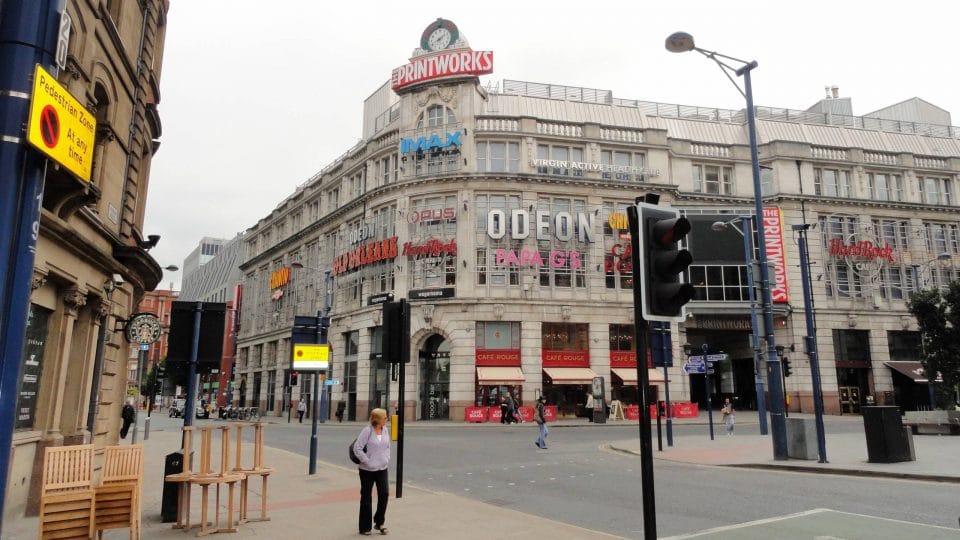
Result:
x=916 y=288
x=683 y=42
x=747 y=233
x=153 y=387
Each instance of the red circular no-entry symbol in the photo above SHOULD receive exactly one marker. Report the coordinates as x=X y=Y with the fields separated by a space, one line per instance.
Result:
x=49 y=126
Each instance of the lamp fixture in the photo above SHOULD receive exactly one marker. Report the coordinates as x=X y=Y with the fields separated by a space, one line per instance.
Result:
x=149 y=243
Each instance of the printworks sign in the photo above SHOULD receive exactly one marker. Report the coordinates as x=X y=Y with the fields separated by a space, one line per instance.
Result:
x=776 y=253
x=443 y=54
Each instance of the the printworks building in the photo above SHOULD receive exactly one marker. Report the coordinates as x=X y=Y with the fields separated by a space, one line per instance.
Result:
x=499 y=213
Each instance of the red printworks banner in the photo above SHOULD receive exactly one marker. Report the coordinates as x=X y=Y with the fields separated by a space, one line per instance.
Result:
x=776 y=253
x=566 y=359
x=498 y=357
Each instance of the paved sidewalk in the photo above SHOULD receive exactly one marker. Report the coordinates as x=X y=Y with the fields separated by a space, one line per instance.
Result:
x=846 y=452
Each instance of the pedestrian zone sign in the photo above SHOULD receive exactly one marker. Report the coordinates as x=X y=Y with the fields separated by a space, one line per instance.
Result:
x=59 y=126
x=307 y=357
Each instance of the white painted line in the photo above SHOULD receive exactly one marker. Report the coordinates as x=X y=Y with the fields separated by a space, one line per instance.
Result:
x=709 y=532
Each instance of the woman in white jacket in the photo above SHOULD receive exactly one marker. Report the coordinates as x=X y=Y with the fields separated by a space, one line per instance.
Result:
x=373 y=450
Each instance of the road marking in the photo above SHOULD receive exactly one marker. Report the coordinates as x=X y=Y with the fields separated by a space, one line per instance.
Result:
x=715 y=530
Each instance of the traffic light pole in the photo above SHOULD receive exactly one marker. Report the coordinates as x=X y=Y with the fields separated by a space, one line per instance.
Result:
x=323 y=325
x=811 y=342
x=640 y=337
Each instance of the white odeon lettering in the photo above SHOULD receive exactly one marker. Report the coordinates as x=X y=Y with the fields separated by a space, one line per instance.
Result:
x=561 y=225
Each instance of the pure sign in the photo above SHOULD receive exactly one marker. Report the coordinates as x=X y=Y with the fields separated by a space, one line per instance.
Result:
x=59 y=126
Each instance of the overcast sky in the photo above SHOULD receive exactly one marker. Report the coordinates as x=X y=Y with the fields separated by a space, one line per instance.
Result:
x=258 y=96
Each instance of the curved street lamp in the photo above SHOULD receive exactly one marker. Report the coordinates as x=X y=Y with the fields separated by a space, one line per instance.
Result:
x=679 y=42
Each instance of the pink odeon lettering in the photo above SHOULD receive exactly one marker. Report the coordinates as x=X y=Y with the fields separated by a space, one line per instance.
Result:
x=528 y=257
x=773 y=235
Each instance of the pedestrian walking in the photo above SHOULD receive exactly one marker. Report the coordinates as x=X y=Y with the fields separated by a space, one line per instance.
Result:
x=372 y=447
x=341 y=406
x=503 y=410
x=301 y=409
x=728 y=415
x=541 y=419
x=511 y=410
x=129 y=415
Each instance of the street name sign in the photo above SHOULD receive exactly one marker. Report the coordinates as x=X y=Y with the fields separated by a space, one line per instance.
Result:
x=59 y=126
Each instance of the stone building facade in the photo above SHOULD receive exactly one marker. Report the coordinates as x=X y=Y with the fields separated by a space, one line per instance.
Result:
x=499 y=214
x=92 y=266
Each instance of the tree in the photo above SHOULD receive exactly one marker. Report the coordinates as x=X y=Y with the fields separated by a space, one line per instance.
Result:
x=938 y=316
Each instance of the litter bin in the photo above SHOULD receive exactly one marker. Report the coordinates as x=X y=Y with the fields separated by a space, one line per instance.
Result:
x=171 y=492
x=887 y=441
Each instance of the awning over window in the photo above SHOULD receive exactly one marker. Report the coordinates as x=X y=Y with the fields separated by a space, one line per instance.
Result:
x=914 y=370
x=495 y=376
x=570 y=375
x=629 y=375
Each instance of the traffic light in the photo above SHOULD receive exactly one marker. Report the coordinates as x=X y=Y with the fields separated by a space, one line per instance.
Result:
x=785 y=365
x=662 y=262
x=161 y=370
x=294 y=376
x=396 y=332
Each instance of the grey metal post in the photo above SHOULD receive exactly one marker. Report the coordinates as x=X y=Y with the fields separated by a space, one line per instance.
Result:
x=707 y=389
x=777 y=420
x=323 y=324
x=930 y=380
x=811 y=341
x=141 y=358
x=745 y=223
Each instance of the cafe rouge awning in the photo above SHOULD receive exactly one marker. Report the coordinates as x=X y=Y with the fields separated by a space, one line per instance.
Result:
x=497 y=375
x=914 y=370
x=570 y=375
x=629 y=375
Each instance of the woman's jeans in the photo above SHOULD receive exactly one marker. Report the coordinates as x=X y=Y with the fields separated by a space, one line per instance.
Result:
x=542 y=439
x=367 y=480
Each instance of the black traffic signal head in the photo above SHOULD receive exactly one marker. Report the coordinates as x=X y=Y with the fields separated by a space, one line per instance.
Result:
x=396 y=332
x=662 y=262
x=294 y=376
x=785 y=365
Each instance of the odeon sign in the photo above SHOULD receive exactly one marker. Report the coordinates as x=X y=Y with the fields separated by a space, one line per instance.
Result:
x=563 y=226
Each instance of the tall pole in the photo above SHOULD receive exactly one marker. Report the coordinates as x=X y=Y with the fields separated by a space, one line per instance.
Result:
x=323 y=324
x=777 y=420
x=141 y=360
x=640 y=338
x=667 y=345
x=811 y=339
x=707 y=389
x=188 y=412
x=28 y=36
x=746 y=224
x=916 y=288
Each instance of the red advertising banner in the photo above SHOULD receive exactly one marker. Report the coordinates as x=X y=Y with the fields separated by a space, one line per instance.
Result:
x=458 y=63
x=776 y=253
x=549 y=413
x=493 y=414
x=631 y=412
x=623 y=359
x=566 y=359
x=475 y=414
x=498 y=357
x=684 y=410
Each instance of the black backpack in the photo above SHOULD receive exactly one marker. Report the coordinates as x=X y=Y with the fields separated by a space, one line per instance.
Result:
x=353 y=454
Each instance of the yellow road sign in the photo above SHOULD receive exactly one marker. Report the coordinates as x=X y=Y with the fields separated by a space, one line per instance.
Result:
x=311 y=357
x=59 y=126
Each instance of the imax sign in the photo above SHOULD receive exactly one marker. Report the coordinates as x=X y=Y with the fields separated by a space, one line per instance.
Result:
x=433 y=142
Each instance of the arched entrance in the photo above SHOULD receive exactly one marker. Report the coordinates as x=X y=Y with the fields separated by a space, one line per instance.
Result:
x=435 y=378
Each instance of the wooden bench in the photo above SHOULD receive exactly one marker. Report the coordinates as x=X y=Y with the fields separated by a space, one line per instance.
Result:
x=119 y=495
x=67 y=495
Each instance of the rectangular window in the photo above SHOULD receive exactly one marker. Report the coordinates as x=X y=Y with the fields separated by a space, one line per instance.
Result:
x=271 y=389
x=885 y=187
x=495 y=157
x=498 y=335
x=831 y=182
x=713 y=179
x=935 y=190
x=561 y=157
x=622 y=165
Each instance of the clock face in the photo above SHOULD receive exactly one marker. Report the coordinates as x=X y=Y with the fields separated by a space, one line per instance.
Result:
x=439 y=35
x=143 y=328
x=439 y=39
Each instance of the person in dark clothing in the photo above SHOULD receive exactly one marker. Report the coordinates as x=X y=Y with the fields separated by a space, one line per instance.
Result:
x=503 y=410
x=341 y=407
x=129 y=415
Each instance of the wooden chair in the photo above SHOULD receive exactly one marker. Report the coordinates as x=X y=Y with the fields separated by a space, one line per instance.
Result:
x=206 y=477
x=118 y=497
x=67 y=495
x=257 y=469
x=183 y=479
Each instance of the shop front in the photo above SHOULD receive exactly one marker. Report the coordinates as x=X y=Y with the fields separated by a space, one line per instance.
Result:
x=567 y=377
x=434 y=394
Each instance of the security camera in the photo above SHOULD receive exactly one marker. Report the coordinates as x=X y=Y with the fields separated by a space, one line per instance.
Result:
x=118 y=280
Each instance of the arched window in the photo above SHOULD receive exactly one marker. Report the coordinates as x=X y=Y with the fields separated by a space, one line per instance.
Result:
x=103 y=103
x=436 y=115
